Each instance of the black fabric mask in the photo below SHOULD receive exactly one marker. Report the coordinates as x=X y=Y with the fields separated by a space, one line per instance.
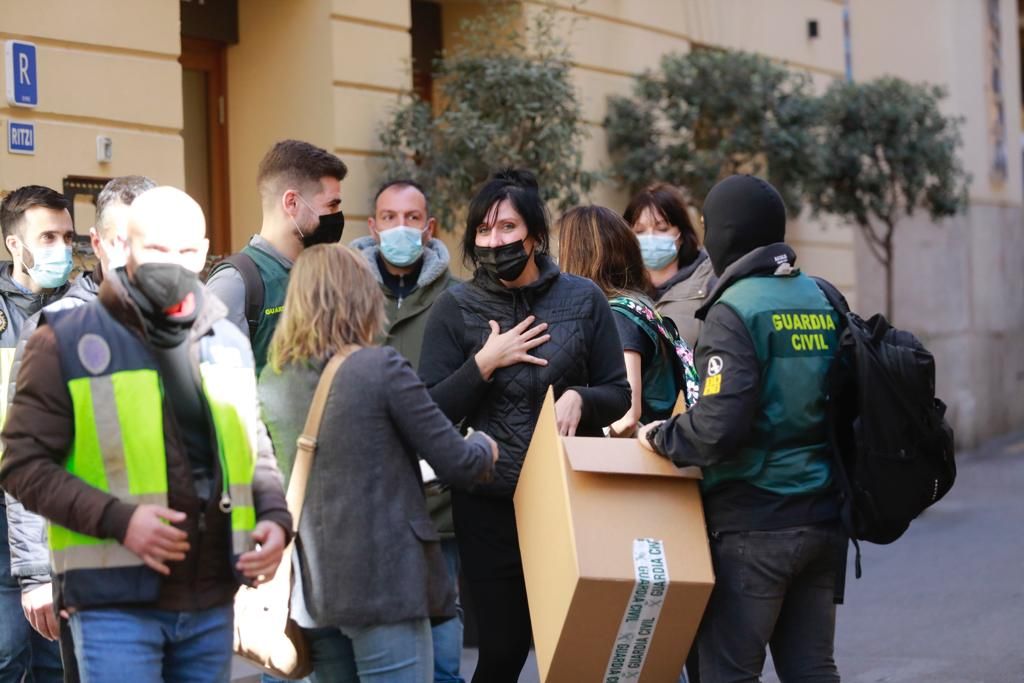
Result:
x=164 y=284
x=327 y=232
x=506 y=262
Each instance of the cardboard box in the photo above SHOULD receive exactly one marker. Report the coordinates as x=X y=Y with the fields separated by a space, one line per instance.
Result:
x=615 y=556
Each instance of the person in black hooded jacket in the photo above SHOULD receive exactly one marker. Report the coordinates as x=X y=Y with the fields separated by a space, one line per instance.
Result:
x=492 y=348
x=759 y=434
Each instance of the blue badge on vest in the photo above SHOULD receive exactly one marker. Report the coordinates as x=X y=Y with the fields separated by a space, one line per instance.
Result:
x=94 y=353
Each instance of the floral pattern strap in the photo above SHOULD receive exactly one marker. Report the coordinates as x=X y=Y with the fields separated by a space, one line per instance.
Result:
x=656 y=325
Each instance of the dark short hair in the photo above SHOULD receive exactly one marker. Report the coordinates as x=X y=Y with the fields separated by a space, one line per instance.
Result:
x=15 y=204
x=664 y=200
x=297 y=164
x=401 y=182
x=519 y=187
x=123 y=189
x=596 y=243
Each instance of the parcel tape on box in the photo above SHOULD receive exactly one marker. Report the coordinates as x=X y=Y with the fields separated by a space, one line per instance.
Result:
x=642 y=611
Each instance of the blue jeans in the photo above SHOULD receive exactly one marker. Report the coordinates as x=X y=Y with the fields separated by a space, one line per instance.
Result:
x=151 y=646
x=448 y=636
x=390 y=653
x=23 y=652
x=772 y=589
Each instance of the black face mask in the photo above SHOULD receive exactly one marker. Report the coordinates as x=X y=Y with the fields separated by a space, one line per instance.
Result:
x=506 y=262
x=164 y=284
x=327 y=232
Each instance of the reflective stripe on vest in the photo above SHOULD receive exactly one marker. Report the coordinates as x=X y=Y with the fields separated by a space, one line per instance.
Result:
x=231 y=394
x=6 y=365
x=118 y=448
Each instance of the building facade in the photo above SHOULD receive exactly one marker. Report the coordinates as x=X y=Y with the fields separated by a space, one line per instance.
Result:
x=193 y=92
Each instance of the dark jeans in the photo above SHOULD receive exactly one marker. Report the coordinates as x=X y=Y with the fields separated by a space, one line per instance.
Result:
x=24 y=654
x=772 y=589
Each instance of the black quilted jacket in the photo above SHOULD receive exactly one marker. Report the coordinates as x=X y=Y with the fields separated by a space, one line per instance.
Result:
x=584 y=354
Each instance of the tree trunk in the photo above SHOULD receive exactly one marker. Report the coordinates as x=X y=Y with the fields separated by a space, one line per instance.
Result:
x=888 y=265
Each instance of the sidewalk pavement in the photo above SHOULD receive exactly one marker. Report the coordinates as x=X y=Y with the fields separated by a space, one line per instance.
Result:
x=943 y=604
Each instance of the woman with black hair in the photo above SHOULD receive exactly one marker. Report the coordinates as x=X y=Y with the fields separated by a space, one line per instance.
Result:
x=678 y=267
x=494 y=346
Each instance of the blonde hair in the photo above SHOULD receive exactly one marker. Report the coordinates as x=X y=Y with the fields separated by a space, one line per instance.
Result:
x=333 y=301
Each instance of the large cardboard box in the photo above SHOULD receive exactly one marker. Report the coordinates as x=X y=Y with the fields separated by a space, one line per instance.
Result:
x=615 y=556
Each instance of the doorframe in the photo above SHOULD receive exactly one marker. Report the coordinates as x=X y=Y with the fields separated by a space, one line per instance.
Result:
x=211 y=57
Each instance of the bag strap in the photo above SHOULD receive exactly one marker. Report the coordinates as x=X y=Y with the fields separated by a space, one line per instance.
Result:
x=307 y=442
x=255 y=291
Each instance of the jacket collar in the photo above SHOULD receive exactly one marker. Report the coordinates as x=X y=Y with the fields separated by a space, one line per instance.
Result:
x=117 y=301
x=436 y=259
x=772 y=259
x=26 y=302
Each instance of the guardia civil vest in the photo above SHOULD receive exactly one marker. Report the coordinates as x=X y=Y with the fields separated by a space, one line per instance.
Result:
x=794 y=333
x=119 y=444
x=275 y=285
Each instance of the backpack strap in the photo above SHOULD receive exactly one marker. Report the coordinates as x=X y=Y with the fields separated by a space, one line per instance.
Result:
x=835 y=298
x=254 y=288
x=664 y=334
x=837 y=301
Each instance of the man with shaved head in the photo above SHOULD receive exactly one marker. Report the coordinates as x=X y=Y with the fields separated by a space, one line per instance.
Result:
x=135 y=431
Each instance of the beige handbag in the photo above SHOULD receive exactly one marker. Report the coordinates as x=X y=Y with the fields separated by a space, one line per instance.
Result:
x=265 y=634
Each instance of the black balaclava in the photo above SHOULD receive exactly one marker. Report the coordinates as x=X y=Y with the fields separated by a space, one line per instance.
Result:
x=741 y=213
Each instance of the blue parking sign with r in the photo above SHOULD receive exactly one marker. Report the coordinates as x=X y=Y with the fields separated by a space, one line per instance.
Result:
x=22 y=85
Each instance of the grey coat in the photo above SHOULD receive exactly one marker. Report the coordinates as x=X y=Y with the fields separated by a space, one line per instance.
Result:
x=367 y=549
x=680 y=297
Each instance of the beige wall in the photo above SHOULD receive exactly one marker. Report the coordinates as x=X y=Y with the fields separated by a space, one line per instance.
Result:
x=104 y=68
x=279 y=86
x=324 y=71
x=614 y=40
x=958 y=281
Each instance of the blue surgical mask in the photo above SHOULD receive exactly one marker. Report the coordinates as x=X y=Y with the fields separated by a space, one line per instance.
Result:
x=52 y=265
x=401 y=246
x=657 y=250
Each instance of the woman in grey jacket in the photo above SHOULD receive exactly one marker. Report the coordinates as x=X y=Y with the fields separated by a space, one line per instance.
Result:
x=370 y=574
x=679 y=269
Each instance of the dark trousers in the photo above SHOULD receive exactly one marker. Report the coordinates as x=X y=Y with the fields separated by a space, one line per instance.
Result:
x=493 y=570
x=503 y=627
x=772 y=589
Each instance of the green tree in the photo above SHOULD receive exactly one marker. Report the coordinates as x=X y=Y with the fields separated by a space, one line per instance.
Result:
x=506 y=99
x=709 y=114
x=891 y=151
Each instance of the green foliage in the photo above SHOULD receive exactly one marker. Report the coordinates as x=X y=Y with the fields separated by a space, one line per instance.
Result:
x=890 y=151
x=709 y=114
x=506 y=100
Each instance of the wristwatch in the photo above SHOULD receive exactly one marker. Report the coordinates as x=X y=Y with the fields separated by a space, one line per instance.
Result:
x=651 y=433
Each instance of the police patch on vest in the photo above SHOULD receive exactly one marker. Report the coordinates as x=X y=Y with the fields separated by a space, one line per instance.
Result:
x=94 y=353
x=3 y=322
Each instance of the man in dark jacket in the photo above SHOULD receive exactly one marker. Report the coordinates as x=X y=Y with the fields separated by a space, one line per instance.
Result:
x=412 y=268
x=135 y=431
x=30 y=554
x=38 y=232
x=759 y=433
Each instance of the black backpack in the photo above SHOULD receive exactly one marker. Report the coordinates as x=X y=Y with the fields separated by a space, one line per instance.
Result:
x=254 y=288
x=893 y=446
